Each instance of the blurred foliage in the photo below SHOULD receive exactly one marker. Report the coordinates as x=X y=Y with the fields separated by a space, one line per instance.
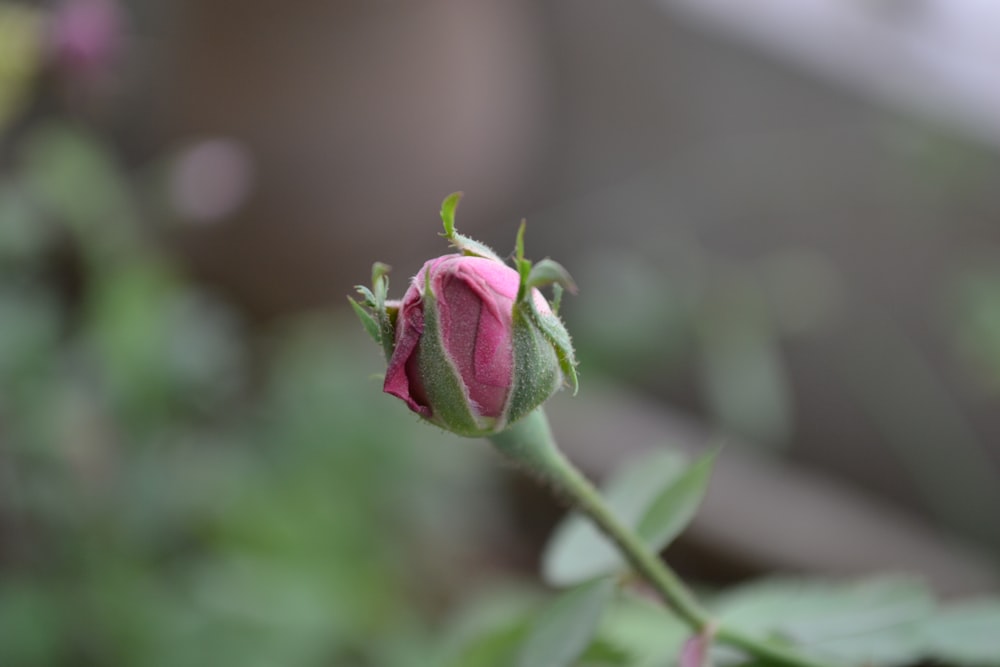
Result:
x=20 y=57
x=885 y=620
x=754 y=338
x=175 y=487
x=164 y=501
x=975 y=318
x=721 y=322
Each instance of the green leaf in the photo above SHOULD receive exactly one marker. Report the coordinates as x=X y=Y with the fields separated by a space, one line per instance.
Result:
x=648 y=631
x=371 y=326
x=602 y=653
x=488 y=628
x=496 y=648
x=874 y=621
x=548 y=272
x=578 y=551
x=563 y=631
x=965 y=634
x=675 y=505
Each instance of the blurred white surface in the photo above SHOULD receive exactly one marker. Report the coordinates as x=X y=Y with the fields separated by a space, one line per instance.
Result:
x=939 y=58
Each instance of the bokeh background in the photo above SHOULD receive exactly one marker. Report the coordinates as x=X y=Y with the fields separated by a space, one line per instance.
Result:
x=784 y=220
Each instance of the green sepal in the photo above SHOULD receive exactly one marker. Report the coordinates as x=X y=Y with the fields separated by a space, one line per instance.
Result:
x=550 y=272
x=380 y=323
x=392 y=312
x=464 y=244
x=370 y=300
x=371 y=326
x=380 y=270
x=446 y=394
x=448 y=207
x=522 y=265
x=536 y=366
x=557 y=335
x=386 y=324
x=546 y=272
x=557 y=295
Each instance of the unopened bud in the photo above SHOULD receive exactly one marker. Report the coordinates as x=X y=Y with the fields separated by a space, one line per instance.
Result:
x=475 y=346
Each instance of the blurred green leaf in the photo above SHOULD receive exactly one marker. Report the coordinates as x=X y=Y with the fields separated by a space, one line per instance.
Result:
x=496 y=647
x=649 y=634
x=77 y=180
x=620 y=329
x=488 y=627
x=675 y=505
x=161 y=345
x=31 y=620
x=29 y=332
x=562 y=632
x=22 y=52
x=967 y=633
x=23 y=234
x=741 y=371
x=602 y=653
x=973 y=314
x=578 y=551
x=876 y=621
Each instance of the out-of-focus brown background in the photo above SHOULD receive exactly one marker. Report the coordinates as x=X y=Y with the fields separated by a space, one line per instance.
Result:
x=785 y=227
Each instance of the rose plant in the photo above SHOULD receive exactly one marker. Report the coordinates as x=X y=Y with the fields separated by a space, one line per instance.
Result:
x=475 y=348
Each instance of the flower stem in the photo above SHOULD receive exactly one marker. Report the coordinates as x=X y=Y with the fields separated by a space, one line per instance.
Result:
x=530 y=444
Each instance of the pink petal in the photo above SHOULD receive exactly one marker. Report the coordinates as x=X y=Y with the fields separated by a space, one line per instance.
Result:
x=401 y=378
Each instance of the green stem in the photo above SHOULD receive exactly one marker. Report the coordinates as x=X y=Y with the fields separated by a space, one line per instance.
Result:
x=530 y=444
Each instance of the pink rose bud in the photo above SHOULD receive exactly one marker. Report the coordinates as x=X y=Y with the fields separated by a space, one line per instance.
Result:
x=454 y=361
x=468 y=349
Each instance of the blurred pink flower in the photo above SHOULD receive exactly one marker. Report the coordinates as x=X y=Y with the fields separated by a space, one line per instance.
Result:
x=210 y=180
x=86 y=36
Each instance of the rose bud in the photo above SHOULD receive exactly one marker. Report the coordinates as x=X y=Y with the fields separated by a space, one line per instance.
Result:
x=468 y=349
